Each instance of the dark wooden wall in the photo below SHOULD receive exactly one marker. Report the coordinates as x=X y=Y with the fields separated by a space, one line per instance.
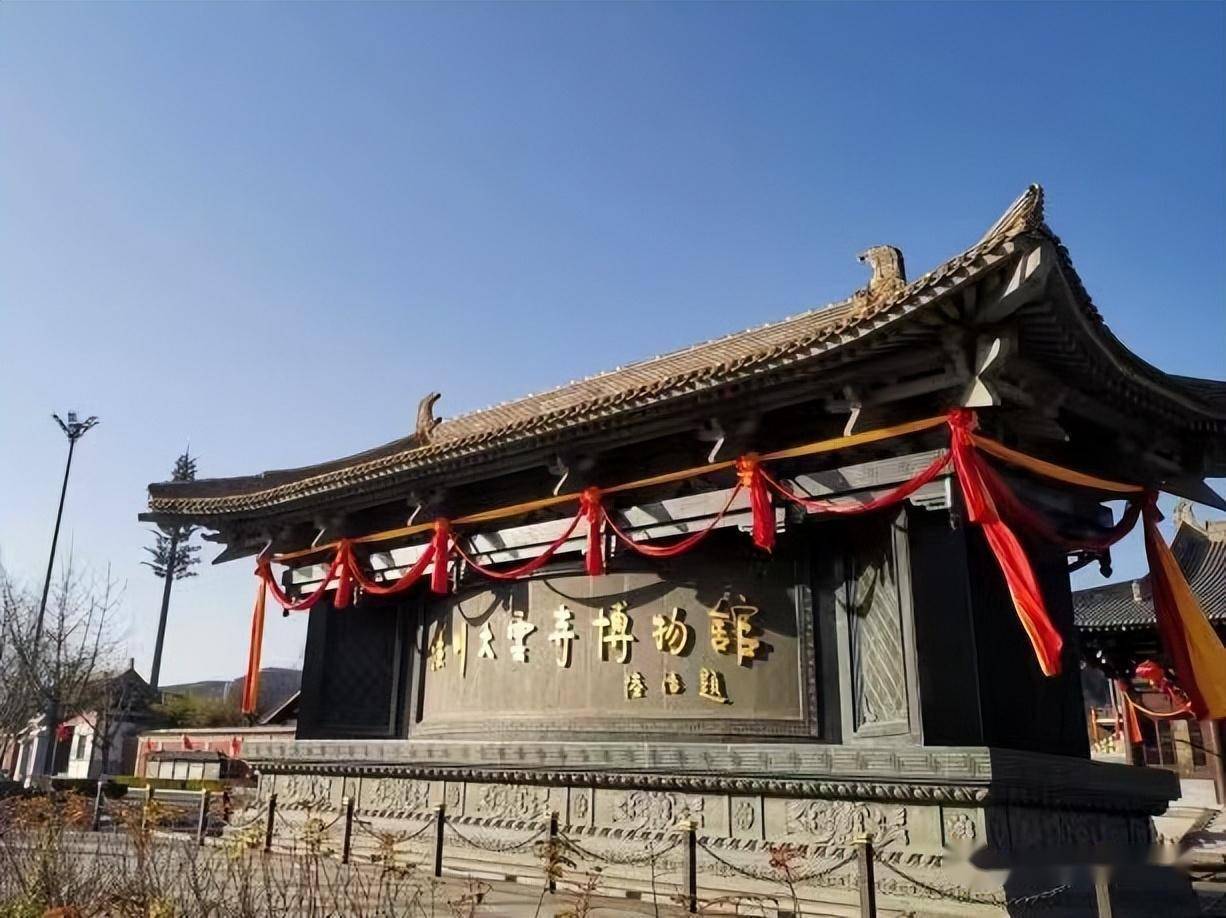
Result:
x=355 y=670
x=979 y=681
x=914 y=641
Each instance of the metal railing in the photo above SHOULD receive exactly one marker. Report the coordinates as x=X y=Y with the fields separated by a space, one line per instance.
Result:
x=206 y=814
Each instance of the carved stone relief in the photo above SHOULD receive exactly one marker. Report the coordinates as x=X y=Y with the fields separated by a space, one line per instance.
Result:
x=453 y=797
x=875 y=640
x=839 y=822
x=304 y=791
x=396 y=795
x=745 y=817
x=580 y=806
x=960 y=827
x=507 y=801
x=656 y=810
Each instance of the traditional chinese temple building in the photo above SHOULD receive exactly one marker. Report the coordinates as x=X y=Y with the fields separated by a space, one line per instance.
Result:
x=1118 y=632
x=794 y=585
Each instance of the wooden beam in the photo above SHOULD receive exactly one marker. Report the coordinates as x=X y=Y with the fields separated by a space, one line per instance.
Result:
x=1194 y=489
x=676 y=516
x=1026 y=283
x=992 y=353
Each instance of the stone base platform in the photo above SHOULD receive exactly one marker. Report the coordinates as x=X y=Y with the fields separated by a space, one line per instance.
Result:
x=956 y=831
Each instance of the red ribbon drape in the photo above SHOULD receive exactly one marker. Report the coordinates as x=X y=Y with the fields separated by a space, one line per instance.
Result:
x=251 y=685
x=1020 y=514
x=1196 y=652
x=344 y=580
x=749 y=475
x=1131 y=724
x=263 y=570
x=397 y=586
x=591 y=508
x=529 y=567
x=1019 y=575
x=900 y=493
x=677 y=548
x=441 y=547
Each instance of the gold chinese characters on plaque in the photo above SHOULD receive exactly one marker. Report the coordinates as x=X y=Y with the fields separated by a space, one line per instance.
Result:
x=732 y=632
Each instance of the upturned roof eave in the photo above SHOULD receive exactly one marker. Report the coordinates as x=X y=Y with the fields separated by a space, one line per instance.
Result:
x=215 y=501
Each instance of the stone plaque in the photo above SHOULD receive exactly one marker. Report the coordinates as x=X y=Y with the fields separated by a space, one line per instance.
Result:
x=709 y=640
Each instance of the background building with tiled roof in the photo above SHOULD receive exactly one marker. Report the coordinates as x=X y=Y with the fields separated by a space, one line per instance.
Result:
x=1117 y=629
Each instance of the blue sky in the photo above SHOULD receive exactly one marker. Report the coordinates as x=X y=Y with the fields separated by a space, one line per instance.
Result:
x=270 y=229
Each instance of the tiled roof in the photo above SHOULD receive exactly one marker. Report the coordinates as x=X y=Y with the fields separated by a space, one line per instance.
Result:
x=1128 y=605
x=649 y=383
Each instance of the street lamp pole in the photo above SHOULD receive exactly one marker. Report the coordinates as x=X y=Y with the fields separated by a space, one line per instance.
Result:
x=74 y=430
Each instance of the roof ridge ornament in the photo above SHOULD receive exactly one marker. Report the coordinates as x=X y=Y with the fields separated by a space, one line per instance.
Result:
x=888 y=278
x=1024 y=215
x=426 y=421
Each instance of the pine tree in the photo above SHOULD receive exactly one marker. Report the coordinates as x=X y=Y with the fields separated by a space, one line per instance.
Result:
x=173 y=557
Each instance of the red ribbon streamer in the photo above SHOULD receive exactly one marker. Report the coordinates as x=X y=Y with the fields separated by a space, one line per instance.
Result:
x=1019 y=575
x=344 y=581
x=441 y=548
x=749 y=475
x=900 y=493
x=990 y=503
x=1008 y=504
x=1171 y=625
x=251 y=685
x=524 y=569
x=399 y=585
x=591 y=508
x=677 y=548
x=1131 y=724
x=263 y=570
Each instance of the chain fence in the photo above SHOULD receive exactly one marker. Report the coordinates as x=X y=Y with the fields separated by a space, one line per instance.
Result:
x=1047 y=897
x=495 y=847
x=622 y=860
x=260 y=824
x=369 y=829
x=778 y=872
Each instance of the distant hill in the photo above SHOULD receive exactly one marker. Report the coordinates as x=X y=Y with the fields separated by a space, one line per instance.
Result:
x=276 y=685
x=213 y=689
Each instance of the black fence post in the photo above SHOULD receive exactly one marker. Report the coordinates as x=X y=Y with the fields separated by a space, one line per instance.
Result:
x=867 y=883
x=144 y=812
x=345 y=845
x=440 y=812
x=202 y=822
x=690 y=828
x=272 y=812
x=553 y=851
x=202 y=817
x=95 y=821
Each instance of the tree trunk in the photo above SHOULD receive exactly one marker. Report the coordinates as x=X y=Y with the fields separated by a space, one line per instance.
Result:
x=172 y=556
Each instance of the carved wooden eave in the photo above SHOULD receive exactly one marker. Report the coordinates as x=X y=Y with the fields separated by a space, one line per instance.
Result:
x=1005 y=324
